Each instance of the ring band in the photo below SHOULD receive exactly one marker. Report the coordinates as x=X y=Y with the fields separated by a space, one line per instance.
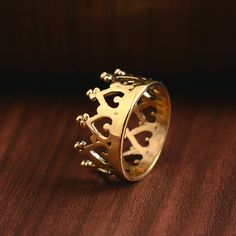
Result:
x=130 y=127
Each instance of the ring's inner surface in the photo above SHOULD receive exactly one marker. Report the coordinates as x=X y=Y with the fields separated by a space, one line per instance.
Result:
x=146 y=131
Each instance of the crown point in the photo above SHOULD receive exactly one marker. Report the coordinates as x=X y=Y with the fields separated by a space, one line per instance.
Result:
x=81 y=119
x=80 y=145
x=106 y=77
x=119 y=72
x=91 y=93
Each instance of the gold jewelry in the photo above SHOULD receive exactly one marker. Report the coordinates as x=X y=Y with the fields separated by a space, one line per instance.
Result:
x=130 y=127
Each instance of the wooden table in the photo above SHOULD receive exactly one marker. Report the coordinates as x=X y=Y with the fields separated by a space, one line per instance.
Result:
x=44 y=191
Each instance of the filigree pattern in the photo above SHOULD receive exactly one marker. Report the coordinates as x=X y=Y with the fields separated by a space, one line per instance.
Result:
x=123 y=90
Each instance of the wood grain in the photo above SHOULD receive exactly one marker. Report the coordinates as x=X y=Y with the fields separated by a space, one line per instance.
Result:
x=44 y=191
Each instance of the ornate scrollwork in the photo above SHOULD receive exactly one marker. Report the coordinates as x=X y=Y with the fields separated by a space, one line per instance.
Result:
x=123 y=93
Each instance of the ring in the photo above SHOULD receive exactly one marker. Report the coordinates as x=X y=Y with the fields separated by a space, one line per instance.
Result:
x=129 y=128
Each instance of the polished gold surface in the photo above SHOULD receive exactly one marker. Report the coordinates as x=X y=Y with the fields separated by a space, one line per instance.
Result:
x=130 y=127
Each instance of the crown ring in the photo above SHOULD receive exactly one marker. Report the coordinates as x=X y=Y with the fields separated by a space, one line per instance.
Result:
x=130 y=127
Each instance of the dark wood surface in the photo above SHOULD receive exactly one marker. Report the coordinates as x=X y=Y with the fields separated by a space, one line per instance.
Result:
x=181 y=37
x=44 y=191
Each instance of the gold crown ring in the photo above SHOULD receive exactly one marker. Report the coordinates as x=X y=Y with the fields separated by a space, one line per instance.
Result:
x=130 y=127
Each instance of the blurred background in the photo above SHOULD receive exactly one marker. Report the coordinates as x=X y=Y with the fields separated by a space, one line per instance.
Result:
x=186 y=39
x=52 y=51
